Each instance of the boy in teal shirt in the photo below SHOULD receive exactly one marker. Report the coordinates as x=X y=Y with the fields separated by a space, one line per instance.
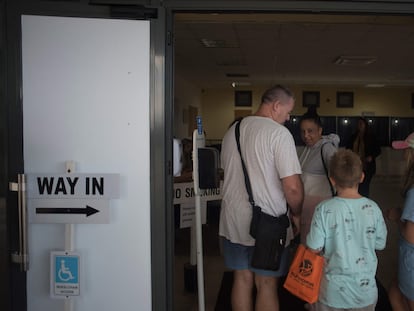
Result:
x=347 y=229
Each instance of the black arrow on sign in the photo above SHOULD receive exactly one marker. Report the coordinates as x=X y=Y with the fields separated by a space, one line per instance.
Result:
x=88 y=210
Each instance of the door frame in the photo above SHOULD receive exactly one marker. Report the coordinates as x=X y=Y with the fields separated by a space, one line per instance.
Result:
x=312 y=7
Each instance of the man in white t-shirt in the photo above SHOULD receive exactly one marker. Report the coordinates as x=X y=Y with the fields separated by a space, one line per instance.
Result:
x=270 y=156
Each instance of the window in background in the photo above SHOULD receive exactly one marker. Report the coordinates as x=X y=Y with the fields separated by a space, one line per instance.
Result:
x=344 y=99
x=243 y=98
x=310 y=99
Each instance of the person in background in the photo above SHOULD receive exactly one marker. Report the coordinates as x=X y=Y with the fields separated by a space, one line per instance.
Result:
x=347 y=229
x=365 y=144
x=401 y=292
x=186 y=174
x=315 y=160
x=273 y=167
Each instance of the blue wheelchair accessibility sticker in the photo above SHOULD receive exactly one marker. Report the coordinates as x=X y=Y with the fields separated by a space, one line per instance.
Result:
x=65 y=274
x=66 y=269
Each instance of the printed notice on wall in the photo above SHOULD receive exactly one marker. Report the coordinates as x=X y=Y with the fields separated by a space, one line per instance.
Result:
x=187 y=214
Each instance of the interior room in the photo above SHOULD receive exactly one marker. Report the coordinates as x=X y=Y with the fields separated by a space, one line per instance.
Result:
x=345 y=65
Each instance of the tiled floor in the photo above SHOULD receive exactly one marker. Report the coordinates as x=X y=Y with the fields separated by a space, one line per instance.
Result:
x=384 y=190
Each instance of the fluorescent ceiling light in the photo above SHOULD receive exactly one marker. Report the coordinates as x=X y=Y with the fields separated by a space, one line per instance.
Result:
x=374 y=85
x=236 y=84
x=211 y=43
x=355 y=60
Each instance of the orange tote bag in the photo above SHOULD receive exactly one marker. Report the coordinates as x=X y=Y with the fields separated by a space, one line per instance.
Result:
x=305 y=272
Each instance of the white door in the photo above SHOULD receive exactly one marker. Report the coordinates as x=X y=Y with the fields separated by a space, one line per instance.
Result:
x=86 y=99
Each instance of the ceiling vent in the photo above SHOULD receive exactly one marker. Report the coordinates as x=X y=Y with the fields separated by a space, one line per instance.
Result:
x=355 y=60
x=237 y=75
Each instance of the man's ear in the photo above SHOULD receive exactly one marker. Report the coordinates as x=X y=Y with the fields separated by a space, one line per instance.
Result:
x=332 y=181
x=275 y=105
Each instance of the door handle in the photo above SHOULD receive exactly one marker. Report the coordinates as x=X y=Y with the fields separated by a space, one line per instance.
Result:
x=21 y=256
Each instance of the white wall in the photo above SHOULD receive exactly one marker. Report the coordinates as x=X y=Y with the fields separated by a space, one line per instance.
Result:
x=86 y=98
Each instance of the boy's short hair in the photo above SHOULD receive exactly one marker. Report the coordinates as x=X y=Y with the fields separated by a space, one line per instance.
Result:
x=346 y=168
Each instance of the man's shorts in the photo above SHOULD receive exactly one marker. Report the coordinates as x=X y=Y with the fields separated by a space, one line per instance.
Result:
x=238 y=257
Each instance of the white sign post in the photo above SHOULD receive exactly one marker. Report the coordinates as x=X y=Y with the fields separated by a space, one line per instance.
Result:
x=198 y=142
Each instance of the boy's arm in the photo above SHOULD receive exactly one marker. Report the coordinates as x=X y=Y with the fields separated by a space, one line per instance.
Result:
x=381 y=238
x=316 y=237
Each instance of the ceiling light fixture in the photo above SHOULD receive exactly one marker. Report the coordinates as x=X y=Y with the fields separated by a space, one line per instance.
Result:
x=355 y=60
x=211 y=43
x=374 y=85
x=236 y=84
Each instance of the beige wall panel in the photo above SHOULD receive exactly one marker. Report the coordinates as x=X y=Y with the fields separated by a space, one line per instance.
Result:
x=218 y=109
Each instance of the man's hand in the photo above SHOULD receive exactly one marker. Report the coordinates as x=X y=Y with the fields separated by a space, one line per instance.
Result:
x=295 y=220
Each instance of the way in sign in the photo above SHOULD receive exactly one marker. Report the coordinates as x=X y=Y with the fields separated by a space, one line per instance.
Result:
x=69 y=211
x=87 y=211
x=69 y=185
x=72 y=186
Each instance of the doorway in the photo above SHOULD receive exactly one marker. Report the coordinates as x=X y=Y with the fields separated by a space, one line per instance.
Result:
x=219 y=53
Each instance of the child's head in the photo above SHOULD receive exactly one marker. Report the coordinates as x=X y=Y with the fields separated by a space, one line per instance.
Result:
x=345 y=169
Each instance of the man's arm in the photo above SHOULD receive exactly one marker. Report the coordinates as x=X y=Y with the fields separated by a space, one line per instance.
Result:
x=293 y=190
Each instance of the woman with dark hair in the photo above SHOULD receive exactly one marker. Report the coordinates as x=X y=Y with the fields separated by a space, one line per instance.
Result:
x=364 y=143
x=314 y=161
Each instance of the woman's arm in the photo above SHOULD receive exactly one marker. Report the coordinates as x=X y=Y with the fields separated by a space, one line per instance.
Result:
x=406 y=226
x=407 y=231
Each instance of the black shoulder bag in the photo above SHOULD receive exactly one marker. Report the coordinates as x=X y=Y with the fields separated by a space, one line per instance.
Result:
x=269 y=231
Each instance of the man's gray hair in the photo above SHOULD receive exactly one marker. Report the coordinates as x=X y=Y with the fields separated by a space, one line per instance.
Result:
x=275 y=93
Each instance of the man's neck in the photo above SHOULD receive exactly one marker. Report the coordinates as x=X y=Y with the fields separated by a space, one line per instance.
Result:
x=265 y=110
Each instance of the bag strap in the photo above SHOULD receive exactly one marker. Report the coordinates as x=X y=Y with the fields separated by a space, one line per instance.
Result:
x=326 y=172
x=246 y=176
